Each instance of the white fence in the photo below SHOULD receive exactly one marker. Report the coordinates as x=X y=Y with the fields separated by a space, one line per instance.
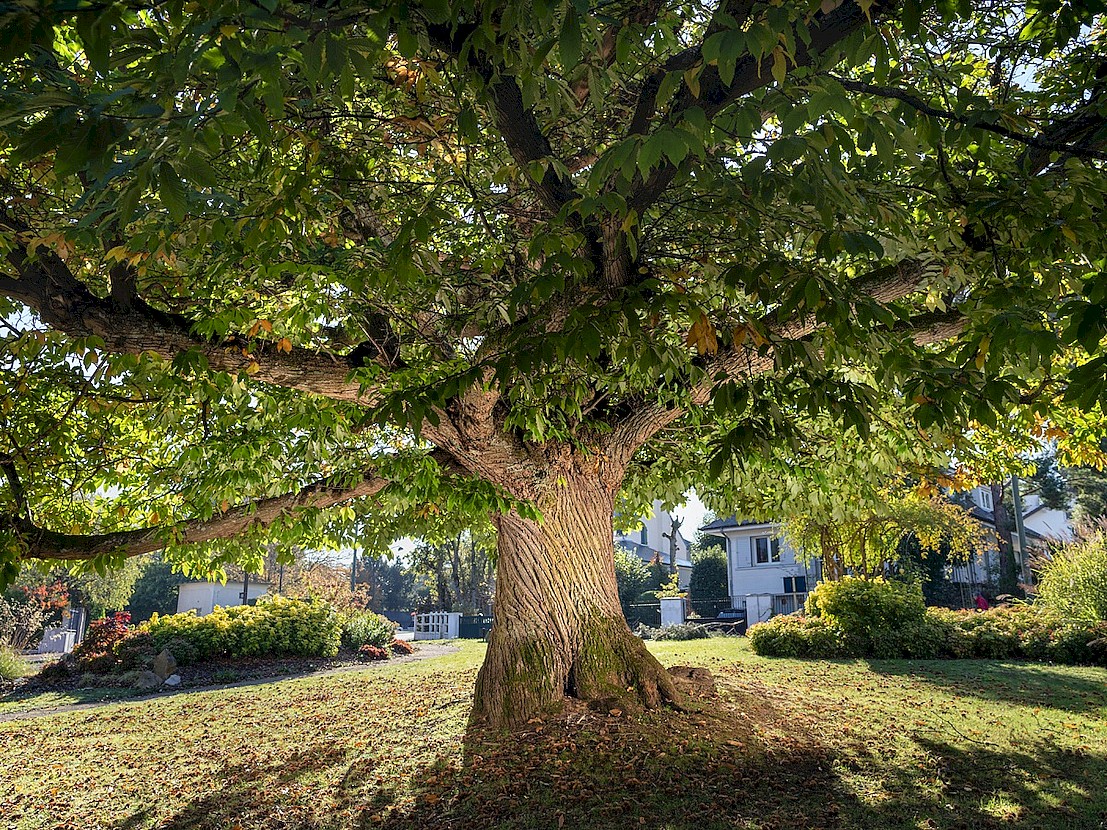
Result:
x=437 y=625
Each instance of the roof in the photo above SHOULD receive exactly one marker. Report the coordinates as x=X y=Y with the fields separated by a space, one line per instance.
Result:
x=731 y=523
x=647 y=554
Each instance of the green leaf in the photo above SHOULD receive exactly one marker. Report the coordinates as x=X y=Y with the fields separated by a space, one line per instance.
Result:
x=569 y=42
x=171 y=190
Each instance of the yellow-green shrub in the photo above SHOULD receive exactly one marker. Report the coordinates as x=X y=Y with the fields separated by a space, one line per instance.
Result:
x=275 y=627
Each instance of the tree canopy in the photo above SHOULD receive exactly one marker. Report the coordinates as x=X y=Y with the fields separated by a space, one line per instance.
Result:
x=269 y=265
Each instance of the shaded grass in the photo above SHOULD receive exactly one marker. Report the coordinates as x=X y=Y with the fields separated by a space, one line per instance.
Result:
x=785 y=744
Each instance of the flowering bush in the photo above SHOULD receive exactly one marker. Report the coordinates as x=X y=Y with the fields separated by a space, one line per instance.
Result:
x=402 y=647
x=372 y=653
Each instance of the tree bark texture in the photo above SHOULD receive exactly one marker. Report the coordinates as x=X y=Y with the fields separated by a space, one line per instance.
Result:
x=559 y=630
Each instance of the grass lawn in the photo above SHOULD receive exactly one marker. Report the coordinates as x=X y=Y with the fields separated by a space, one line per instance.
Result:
x=786 y=743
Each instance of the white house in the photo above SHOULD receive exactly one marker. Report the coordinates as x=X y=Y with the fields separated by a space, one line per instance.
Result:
x=1042 y=525
x=651 y=542
x=763 y=572
x=202 y=597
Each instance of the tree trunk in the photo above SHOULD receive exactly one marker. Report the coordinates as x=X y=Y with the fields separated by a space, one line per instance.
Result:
x=1008 y=567
x=559 y=630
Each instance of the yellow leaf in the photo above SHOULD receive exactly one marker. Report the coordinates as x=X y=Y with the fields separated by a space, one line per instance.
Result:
x=254 y=329
x=1069 y=233
x=253 y=368
x=702 y=336
x=780 y=64
x=284 y=345
x=266 y=326
x=692 y=78
x=982 y=352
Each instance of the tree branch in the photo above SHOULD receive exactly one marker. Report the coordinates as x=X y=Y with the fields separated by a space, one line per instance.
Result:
x=826 y=30
x=1043 y=143
x=48 y=544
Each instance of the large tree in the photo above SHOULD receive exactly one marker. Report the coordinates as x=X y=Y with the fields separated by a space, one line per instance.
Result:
x=276 y=264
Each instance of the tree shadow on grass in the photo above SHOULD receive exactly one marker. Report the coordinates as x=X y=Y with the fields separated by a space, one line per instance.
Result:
x=748 y=758
x=1024 y=684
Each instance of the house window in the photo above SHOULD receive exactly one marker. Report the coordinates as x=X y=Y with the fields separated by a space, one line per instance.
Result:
x=645 y=537
x=766 y=549
x=986 y=498
x=795 y=584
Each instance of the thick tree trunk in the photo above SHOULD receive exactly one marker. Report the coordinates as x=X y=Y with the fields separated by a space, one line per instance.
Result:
x=559 y=630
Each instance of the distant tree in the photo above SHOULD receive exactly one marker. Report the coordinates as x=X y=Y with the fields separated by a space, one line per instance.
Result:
x=709 y=574
x=391 y=584
x=102 y=592
x=155 y=590
x=459 y=571
x=632 y=576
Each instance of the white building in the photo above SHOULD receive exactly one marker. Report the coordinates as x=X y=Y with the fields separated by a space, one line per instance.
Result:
x=1042 y=525
x=202 y=597
x=764 y=574
x=651 y=543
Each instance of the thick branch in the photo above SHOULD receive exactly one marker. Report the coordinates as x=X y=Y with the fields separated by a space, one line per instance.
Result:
x=746 y=361
x=46 y=285
x=48 y=544
x=826 y=30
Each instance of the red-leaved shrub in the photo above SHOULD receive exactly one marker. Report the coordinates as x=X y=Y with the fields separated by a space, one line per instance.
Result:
x=402 y=647
x=372 y=653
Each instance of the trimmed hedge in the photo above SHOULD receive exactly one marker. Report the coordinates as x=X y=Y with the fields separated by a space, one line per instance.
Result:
x=1022 y=632
x=275 y=627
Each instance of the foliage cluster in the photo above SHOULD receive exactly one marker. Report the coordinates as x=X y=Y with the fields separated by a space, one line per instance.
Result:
x=96 y=652
x=679 y=633
x=1018 y=632
x=361 y=628
x=1073 y=580
x=709 y=580
x=866 y=541
x=12 y=665
x=275 y=627
x=26 y=610
x=868 y=612
x=402 y=647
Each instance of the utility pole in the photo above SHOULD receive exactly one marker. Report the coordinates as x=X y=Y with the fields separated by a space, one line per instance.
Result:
x=353 y=572
x=1020 y=528
x=245 y=587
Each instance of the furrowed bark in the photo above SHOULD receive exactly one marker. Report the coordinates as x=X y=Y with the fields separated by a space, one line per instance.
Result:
x=559 y=629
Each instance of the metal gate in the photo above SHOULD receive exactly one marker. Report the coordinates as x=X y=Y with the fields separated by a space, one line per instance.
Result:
x=474 y=627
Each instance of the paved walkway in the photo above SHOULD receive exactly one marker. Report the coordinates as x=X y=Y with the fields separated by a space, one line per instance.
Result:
x=426 y=650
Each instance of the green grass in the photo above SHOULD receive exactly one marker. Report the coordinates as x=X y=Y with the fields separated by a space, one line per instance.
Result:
x=785 y=744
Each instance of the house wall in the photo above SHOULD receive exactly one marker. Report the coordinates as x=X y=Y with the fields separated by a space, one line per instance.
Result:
x=649 y=540
x=204 y=596
x=760 y=588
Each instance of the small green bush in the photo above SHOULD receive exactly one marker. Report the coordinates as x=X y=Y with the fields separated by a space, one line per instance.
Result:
x=364 y=628
x=12 y=666
x=872 y=614
x=275 y=627
x=685 y=631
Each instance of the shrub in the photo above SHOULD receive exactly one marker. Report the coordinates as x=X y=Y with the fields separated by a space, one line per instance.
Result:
x=12 y=666
x=135 y=651
x=402 y=647
x=1016 y=632
x=1073 y=581
x=364 y=628
x=96 y=651
x=684 y=631
x=275 y=627
x=369 y=652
